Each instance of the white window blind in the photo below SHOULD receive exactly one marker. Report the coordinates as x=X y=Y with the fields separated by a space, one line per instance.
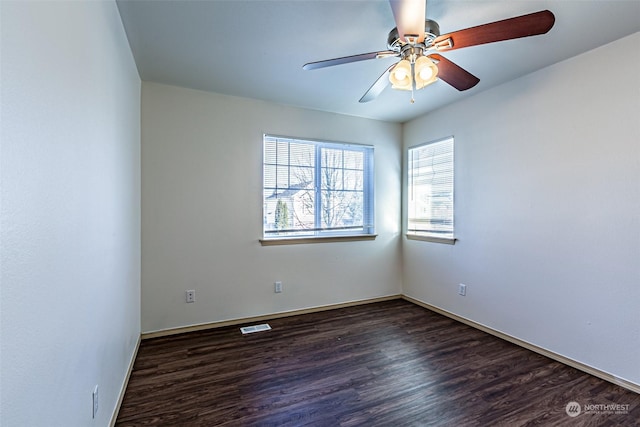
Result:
x=430 y=192
x=314 y=188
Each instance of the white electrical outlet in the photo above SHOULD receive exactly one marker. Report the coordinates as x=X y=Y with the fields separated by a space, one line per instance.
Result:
x=95 y=401
x=277 y=287
x=191 y=296
x=462 y=289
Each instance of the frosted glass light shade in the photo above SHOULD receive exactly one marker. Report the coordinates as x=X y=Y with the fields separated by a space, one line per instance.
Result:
x=426 y=72
x=400 y=76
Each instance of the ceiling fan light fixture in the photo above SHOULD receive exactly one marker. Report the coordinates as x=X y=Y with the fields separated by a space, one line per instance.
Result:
x=426 y=72
x=400 y=76
x=420 y=36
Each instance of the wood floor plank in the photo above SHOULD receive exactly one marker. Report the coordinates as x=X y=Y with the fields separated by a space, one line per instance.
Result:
x=384 y=364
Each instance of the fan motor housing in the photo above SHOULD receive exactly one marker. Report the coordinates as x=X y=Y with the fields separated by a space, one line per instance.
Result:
x=431 y=29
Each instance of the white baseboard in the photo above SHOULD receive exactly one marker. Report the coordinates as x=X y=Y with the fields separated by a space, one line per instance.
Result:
x=125 y=383
x=543 y=351
x=240 y=321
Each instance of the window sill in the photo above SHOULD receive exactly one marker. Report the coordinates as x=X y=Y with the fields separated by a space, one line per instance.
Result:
x=445 y=240
x=324 y=239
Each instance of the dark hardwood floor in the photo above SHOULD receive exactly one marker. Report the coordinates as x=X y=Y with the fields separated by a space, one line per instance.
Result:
x=384 y=364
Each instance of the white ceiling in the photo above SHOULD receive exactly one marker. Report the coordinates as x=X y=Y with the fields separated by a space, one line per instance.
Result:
x=256 y=48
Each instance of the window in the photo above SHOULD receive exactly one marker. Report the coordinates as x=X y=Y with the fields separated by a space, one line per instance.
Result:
x=430 y=197
x=316 y=189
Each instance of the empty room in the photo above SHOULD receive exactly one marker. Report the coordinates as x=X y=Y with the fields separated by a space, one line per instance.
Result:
x=320 y=213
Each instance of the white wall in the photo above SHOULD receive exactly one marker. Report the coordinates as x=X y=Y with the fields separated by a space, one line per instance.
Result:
x=547 y=209
x=202 y=212
x=70 y=251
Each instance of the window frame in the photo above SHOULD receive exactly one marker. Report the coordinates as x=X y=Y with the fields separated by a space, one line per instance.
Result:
x=319 y=235
x=424 y=235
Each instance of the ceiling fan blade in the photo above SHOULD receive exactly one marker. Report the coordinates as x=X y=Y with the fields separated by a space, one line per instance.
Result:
x=453 y=74
x=409 y=16
x=513 y=28
x=348 y=59
x=377 y=88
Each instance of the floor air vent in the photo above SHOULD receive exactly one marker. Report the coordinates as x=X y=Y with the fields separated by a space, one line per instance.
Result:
x=256 y=328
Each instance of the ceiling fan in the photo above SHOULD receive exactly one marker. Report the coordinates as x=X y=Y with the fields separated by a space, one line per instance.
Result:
x=417 y=41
